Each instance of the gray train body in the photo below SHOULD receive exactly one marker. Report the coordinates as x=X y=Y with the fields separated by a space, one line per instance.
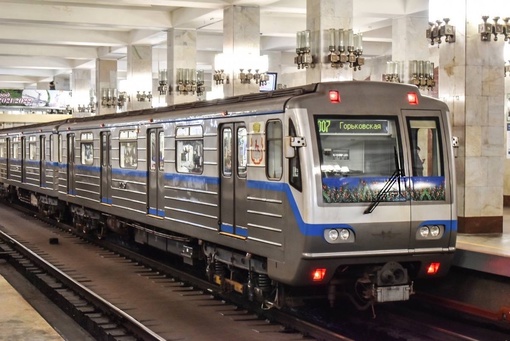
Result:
x=307 y=187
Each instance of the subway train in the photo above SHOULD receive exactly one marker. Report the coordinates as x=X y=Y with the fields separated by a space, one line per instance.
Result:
x=329 y=189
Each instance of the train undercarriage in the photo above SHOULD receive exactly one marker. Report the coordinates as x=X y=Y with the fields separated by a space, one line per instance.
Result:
x=232 y=270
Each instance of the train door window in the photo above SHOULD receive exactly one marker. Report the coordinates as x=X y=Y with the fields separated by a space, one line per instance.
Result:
x=162 y=150
x=3 y=145
x=426 y=148
x=15 y=151
x=295 y=164
x=189 y=149
x=274 y=145
x=32 y=148
x=87 y=149
x=242 y=151
x=60 y=147
x=42 y=147
x=53 y=156
x=227 y=152
x=128 y=149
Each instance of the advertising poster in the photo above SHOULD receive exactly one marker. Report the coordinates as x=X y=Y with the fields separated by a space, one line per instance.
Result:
x=50 y=99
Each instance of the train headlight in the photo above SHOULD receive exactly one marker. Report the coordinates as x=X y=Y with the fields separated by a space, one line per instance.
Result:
x=430 y=232
x=424 y=231
x=339 y=235
x=333 y=234
x=434 y=230
x=344 y=234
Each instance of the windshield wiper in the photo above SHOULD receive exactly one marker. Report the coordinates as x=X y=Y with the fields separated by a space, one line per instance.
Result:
x=387 y=186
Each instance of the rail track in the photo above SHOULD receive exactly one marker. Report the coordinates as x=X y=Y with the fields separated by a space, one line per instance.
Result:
x=105 y=321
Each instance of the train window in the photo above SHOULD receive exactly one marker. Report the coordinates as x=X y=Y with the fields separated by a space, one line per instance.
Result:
x=274 y=145
x=190 y=156
x=87 y=149
x=162 y=150
x=15 y=151
x=357 y=157
x=32 y=148
x=60 y=147
x=42 y=147
x=242 y=151
x=53 y=148
x=426 y=147
x=3 y=147
x=295 y=164
x=227 y=152
x=128 y=149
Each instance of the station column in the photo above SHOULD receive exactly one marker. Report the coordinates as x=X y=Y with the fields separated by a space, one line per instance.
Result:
x=81 y=83
x=241 y=48
x=106 y=85
x=182 y=63
x=139 y=77
x=471 y=81
x=321 y=16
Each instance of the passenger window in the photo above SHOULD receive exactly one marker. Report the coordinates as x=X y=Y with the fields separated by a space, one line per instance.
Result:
x=87 y=149
x=190 y=149
x=128 y=149
x=295 y=164
x=189 y=156
x=32 y=148
x=274 y=143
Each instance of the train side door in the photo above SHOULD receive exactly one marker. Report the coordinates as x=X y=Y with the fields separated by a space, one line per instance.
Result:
x=233 y=173
x=42 y=161
x=71 y=185
x=155 y=172
x=106 y=168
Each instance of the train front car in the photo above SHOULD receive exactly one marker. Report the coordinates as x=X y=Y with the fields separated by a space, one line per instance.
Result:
x=371 y=183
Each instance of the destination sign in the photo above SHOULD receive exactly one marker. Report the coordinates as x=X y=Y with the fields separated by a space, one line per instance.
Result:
x=342 y=126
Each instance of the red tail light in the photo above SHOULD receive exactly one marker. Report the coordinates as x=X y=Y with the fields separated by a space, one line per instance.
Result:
x=412 y=98
x=334 y=96
x=433 y=268
x=318 y=275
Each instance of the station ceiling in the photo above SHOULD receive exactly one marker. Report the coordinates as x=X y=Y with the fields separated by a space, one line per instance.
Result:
x=41 y=39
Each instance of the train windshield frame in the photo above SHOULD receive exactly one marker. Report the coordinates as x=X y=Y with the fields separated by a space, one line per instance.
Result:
x=357 y=157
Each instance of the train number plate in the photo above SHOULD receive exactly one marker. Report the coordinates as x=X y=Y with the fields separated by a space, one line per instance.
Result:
x=393 y=293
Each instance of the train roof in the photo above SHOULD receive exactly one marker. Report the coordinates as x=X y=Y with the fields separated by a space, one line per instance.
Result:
x=272 y=101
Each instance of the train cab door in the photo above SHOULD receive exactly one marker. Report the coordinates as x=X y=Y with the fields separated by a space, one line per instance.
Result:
x=428 y=162
x=155 y=172
x=42 y=161
x=71 y=182
x=233 y=173
x=106 y=168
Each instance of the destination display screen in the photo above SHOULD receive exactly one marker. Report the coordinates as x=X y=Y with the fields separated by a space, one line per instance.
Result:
x=340 y=126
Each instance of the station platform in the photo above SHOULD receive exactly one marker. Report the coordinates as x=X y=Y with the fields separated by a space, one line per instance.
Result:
x=488 y=253
x=19 y=320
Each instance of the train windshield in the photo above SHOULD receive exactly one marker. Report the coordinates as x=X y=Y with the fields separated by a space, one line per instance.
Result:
x=358 y=156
